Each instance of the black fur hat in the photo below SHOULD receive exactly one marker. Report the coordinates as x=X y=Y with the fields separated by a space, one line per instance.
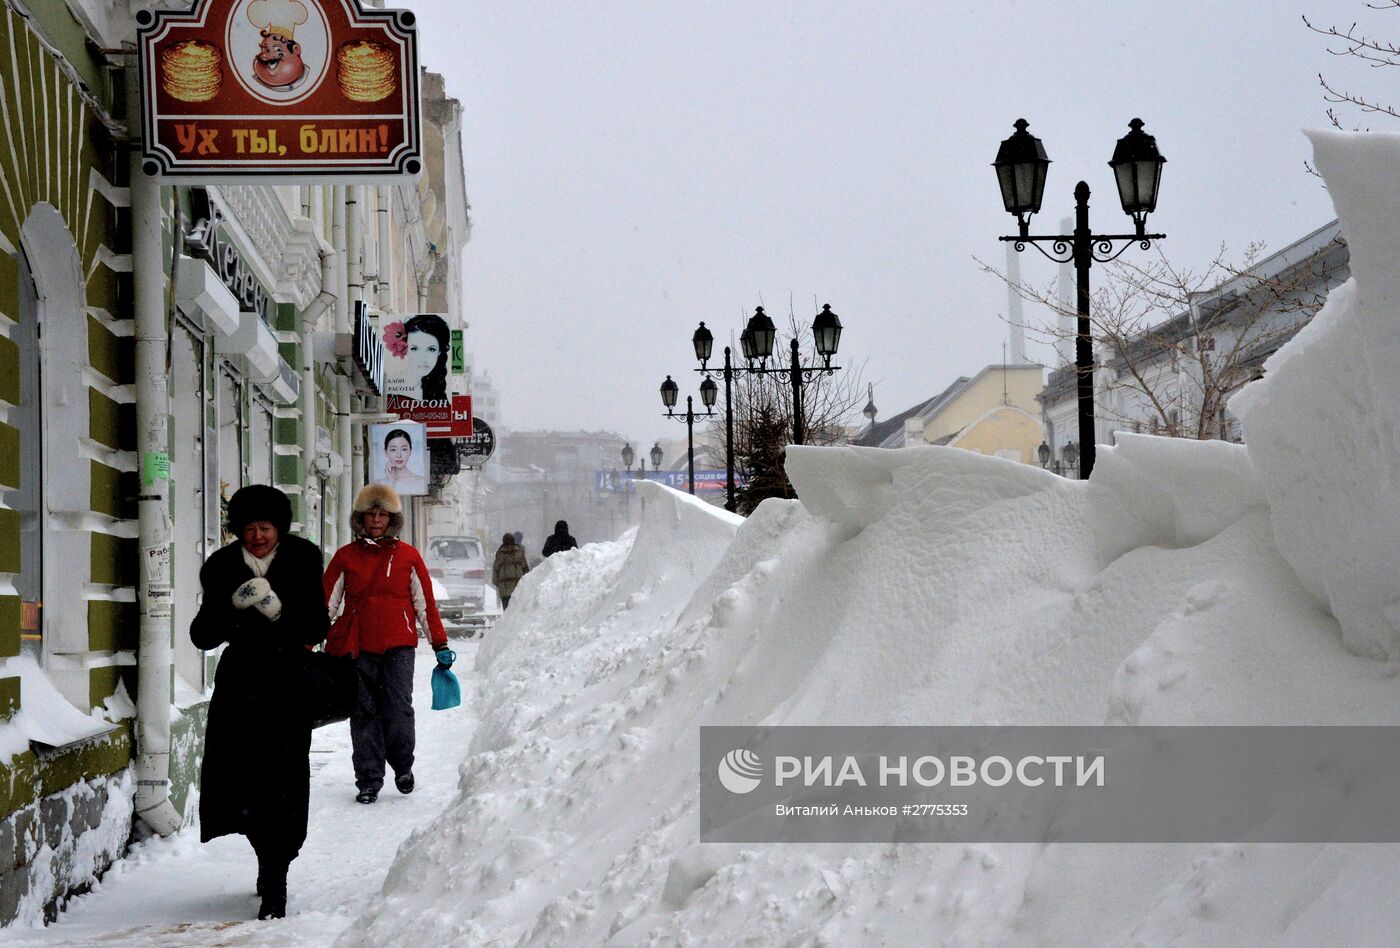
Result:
x=259 y=502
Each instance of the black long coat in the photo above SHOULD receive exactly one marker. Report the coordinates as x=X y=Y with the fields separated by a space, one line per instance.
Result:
x=256 y=777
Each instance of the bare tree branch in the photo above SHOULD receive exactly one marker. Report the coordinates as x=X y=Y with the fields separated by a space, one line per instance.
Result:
x=1176 y=363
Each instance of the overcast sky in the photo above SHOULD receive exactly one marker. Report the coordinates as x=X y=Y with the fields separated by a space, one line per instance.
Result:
x=634 y=168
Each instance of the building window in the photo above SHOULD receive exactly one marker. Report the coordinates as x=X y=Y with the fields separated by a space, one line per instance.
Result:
x=260 y=464
x=188 y=392
x=28 y=499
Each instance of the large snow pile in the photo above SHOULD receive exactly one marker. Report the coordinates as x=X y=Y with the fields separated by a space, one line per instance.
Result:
x=1324 y=426
x=935 y=586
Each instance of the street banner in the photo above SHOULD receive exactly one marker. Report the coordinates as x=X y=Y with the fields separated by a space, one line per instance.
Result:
x=279 y=90
x=443 y=418
x=476 y=450
x=398 y=456
x=624 y=482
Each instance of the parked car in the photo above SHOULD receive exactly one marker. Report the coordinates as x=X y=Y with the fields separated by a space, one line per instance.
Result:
x=459 y=565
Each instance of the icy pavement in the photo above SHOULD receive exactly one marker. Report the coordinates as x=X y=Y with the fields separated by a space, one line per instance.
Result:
x=179 y=892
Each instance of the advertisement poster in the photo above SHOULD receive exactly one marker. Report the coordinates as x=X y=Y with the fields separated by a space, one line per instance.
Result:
x=279 y=89
x=399 y=456
x=416 y=353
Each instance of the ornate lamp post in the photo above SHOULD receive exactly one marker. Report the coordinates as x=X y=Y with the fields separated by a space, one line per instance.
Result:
x=756 y=343
x=1043 y=453
x=1071 y=455
x=670 y=391
x=1137 y=167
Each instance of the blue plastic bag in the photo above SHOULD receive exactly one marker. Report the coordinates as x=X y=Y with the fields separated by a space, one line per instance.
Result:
x=447 y=693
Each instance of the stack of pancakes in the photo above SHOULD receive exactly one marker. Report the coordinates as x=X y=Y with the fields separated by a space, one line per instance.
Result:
x=365 y=71
x=192 y=71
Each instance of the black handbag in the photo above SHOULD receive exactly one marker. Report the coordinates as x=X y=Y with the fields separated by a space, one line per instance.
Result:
x=332 y=688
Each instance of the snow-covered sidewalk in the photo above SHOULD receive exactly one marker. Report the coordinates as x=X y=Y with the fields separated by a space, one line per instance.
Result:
x=179 y=892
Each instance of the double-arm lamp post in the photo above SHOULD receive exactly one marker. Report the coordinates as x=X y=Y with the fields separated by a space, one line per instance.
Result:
x=1137 y=166
x=629 y=455
x=756 y=342
x=670 y=391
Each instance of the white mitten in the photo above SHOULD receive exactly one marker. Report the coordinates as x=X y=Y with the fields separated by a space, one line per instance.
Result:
x=270 y=606
x=250 y=592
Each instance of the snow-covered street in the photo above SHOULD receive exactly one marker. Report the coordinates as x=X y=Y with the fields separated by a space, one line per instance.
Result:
x=177 y=891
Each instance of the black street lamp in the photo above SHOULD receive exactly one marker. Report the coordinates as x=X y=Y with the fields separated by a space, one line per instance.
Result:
x=628 y=456
x=1021 y=167
x=656 y=455
x=704 y=343
x=870 y=411
x=756 y=343
x=669 y=392
x=1071 y=455
x=1043 y=453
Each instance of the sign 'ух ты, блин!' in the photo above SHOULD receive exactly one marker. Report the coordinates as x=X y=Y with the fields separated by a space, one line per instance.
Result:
x=279 y=90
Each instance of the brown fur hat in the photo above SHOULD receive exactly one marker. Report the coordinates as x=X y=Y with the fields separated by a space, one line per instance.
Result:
x=386 y=499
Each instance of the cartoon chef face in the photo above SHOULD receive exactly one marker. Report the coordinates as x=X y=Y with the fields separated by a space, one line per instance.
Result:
x=278 y=63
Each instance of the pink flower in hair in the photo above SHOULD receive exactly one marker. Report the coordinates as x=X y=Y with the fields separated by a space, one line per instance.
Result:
x=396 y=339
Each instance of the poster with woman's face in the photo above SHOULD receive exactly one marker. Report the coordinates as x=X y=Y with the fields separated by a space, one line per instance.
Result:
x=399 y=456
x=416 y=354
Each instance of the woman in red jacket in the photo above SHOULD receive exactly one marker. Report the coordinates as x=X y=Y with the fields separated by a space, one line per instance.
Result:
x=379 y=585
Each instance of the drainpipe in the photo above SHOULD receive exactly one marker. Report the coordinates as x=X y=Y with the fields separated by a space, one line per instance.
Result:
x=310 y=318
x=355 y=292
x=338 y=238
x=153 y=590
x=382 y=271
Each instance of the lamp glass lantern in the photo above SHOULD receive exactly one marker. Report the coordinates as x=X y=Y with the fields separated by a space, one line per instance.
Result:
x=826 y=330
x=761 y=332
x=709 y=392
x=1137 y=167
x=704 y=342
x=1021 y=169
x=670 y=391
x=1043 y=453
x=1071 y=454
x=656 y=455
x=628 y=455
x=746 y=344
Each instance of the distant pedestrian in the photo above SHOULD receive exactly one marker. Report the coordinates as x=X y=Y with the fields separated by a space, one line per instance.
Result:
x=380 y=588
x=559 y=540
x=262 y=595
x=508 y=567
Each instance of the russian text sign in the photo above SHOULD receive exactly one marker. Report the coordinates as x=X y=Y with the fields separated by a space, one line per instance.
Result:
x=285 y=90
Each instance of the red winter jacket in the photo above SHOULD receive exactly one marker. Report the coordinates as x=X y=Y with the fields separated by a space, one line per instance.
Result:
x=384 y=588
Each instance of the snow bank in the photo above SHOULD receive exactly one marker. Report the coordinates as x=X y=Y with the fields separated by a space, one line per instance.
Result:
x=1322 y=424
x=920 y=586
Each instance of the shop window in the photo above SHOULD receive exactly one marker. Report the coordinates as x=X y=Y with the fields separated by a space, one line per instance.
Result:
x=260 y=463
x=187 y=487
x=230 y=420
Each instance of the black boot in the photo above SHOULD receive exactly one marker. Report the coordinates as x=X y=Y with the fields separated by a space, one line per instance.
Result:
x=272 y=888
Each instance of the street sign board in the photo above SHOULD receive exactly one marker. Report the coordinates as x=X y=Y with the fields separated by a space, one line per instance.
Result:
x=279 y=90
x=477 y=449
x=459 y=353
x=443 y=418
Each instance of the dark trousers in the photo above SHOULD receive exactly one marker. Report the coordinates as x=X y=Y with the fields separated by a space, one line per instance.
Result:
x=381 y=729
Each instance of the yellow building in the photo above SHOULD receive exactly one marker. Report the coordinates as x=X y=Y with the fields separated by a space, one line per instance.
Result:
x=993 y=412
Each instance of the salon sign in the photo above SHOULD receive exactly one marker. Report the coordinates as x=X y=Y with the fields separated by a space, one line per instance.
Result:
x=279 y=90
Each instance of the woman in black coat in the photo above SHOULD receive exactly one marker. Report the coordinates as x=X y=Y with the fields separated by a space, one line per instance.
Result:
x=263 y=596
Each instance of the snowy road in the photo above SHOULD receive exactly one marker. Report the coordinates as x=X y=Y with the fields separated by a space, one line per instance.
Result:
x=179 y=892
